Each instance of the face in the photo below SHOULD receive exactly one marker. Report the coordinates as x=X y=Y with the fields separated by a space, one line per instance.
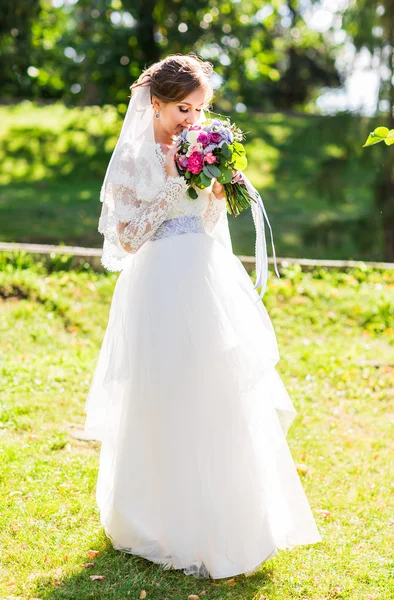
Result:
x=176 y=116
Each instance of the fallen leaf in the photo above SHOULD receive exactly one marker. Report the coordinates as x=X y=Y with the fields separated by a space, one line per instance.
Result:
x=15 y=526
x=65 y=486
x=324 y=513
x=93 y=553
x=193 y=597
x=370 y=597
x=87 y=565
x=302 y=468
x=142 y=594
x=97 y=577
x=337 y=589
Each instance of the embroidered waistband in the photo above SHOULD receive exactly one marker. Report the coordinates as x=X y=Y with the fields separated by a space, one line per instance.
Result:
x=178 y=225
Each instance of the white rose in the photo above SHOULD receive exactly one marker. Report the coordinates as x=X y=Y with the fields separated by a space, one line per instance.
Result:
x=194 y=148
x=192 y=136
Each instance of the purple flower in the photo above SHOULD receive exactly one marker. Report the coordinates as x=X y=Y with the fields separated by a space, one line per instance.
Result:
x=182 y=161
x=214 y=137
x=203 y=139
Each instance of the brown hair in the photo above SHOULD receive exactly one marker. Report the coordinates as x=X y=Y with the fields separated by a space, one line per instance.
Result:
x=176 y=76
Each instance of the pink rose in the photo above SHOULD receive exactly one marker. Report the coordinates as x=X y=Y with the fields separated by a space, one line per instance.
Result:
x=195 y=163
x=203 y=139
x=214 y=137
x=210 y=158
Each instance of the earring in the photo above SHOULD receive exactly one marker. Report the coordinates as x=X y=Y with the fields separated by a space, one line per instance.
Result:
x=157 y=116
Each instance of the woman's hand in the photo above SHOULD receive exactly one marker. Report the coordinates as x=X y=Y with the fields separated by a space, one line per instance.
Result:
x=237 y=177
x=169 y=164
x=218 y=189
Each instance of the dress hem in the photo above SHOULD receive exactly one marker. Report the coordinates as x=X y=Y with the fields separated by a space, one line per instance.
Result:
x=170 y=566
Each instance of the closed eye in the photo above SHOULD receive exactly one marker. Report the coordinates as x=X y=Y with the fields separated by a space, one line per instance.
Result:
x=185 y=110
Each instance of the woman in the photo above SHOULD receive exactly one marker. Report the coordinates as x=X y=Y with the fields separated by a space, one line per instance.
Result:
x=195 y=471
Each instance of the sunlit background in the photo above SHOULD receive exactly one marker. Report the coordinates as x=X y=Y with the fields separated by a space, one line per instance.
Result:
x=306 y=80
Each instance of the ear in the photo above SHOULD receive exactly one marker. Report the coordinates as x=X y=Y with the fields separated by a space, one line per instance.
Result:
x=156 y=103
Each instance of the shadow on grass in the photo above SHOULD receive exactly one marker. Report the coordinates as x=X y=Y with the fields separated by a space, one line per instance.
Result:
x=126 y=576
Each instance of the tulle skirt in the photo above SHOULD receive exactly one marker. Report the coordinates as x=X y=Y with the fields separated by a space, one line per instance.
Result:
x=195 y=471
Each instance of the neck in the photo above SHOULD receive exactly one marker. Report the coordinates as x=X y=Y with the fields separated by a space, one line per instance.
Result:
x=161 y=136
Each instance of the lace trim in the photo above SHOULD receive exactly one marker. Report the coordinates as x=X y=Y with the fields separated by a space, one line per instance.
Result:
x=134 y=229
x=213 y=212
x=179 y=225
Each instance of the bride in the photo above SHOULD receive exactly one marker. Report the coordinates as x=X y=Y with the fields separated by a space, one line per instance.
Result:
x=195 y=471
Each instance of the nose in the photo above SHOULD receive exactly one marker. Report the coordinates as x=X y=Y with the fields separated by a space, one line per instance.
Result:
x=193 y=118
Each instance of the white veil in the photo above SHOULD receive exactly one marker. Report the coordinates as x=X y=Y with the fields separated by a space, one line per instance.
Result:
x=135 y=146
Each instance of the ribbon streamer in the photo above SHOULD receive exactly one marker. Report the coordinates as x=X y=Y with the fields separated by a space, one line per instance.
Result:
x=261 y=258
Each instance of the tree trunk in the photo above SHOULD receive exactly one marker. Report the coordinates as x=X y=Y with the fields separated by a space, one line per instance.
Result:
x=145 y=33
x=386 y=194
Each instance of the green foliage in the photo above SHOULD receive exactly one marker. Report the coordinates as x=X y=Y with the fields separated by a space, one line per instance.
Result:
x=89 y=53
x=381 y=134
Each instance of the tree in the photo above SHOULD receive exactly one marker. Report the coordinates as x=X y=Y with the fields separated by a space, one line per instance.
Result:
x=370 y=24
x=90 y=51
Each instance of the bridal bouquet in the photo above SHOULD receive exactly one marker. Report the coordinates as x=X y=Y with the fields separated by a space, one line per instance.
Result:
x=211 y=150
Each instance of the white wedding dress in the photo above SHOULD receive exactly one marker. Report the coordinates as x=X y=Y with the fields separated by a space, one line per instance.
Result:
x=195 y=471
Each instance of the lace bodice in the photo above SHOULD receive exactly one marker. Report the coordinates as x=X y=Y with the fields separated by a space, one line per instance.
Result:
x=172 y=202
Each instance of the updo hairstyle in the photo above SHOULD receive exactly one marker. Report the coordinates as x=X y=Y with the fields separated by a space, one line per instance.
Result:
x=175 y=77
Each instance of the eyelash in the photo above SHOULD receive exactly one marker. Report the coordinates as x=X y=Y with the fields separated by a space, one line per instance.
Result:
x=186 y=110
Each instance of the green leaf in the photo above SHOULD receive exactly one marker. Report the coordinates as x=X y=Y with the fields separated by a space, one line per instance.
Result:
x=372 y=139
x=226 y=175
x=389 y=140
x=206 y=172
x=215 y=172
x=240 y=163
x=381 y=132
x=238 y=148
x=226 y=150
x=192 y=193
x=205 y=180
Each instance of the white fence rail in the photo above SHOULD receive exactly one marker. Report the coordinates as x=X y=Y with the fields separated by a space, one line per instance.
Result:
x=92 y=256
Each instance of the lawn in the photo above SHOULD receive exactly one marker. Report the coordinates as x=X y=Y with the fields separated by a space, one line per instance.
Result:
x=336 y=335
x=316 y=180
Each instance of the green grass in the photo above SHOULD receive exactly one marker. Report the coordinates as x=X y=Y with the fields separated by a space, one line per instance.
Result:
x=316 y=180
x=336 y=336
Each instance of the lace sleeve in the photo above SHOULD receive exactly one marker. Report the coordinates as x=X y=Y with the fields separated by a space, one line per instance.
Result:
x=136 y=227
x=213 y=211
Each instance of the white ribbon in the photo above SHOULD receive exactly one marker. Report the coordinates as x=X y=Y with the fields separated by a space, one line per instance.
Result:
x=261 y=258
